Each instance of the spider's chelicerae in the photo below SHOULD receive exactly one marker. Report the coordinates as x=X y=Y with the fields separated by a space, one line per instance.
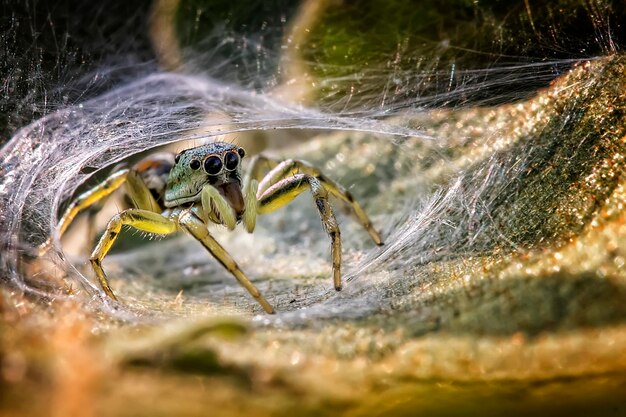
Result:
x=203 y=185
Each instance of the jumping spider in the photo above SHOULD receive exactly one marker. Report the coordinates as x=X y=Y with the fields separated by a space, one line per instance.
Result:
x=202 y=185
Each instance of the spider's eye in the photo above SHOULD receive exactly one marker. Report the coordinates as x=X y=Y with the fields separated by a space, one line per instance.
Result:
x=241 y=152
x=194 y=164
x=176 y=158
x=231 y=159
x=213 y=165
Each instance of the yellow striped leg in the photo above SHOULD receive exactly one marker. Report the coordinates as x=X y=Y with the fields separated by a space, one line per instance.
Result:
x=292 y=166
x=86 y=199
x=285 y=190
x=143 y=220
x=198 y=229
x=92 y=231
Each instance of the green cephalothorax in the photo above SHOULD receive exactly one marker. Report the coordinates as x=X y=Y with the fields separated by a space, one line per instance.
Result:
x=216 y=164
x=204 y=186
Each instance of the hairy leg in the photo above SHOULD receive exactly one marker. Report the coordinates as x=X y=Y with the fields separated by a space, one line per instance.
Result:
x=285 y=190
x=189 y=221
x=93 y=199
x=143 y=220
x=291 y=167
x=85 y=200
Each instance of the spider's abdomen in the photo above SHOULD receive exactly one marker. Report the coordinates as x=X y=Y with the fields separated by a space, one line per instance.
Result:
x=154 y=171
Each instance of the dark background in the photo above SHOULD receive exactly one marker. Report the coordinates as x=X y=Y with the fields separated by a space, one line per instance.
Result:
x=57 y=53
x=50 y=51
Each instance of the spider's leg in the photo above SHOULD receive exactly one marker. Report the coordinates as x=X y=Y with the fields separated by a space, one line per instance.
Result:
x=143 y=220
x=90 y=234
x=292 y=166
x=85 y=200
x=140 y=194
x=285 y=190
x=358 y=212
x=189 y=221
x=259 y=166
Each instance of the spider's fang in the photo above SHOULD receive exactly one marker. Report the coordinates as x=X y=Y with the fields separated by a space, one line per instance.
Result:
x=232 y=193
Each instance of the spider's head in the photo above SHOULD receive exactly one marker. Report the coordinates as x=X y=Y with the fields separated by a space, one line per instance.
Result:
x=217 y=164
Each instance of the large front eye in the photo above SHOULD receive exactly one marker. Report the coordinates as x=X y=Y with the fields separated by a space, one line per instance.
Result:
x=231 y=160
x=213 y=165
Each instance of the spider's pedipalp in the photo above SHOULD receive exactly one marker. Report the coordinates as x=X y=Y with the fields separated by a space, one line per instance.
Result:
x=251 y=203
x=217 y=208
